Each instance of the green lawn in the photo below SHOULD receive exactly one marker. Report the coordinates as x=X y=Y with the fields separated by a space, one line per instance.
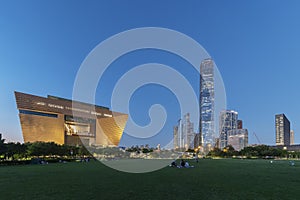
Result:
x=210 y=179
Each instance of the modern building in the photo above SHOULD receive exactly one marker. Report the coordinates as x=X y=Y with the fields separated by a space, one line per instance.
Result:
x=292 y=136
x=184 y=134
x=207 y=103
x=282 y=127
x=227 y=122
x=238 y=138
x=63 y=121
x=239 y=124
x=188 y=132
x=175 y=137
x=197 y=141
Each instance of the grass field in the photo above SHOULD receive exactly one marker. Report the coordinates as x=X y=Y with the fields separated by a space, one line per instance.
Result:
x=210 y=179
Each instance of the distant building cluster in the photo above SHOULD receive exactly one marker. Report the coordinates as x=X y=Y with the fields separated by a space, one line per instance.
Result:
x=231 y=130
x=184 y=134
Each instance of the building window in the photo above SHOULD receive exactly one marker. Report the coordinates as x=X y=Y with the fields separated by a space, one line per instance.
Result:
x=79 y=126
x=29 y=112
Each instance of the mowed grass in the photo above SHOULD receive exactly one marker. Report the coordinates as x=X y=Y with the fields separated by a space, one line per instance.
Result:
x=210 y=179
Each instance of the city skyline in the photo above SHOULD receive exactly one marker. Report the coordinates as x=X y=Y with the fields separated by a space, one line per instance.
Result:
x=41 y=52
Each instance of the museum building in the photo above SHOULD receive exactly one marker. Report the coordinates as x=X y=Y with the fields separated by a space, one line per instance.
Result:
x=63 y=121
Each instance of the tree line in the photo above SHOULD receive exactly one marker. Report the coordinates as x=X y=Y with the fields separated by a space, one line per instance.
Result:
x=260 y=151
x=19 y=151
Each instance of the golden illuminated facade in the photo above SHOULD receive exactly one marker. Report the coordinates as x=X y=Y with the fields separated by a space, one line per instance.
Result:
x=64 y=121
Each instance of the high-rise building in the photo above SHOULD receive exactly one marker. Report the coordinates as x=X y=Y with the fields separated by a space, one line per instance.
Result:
x=238 y=138
x=197 y=141
x=178 y=140
x=188 y=132
x=228 y=121
x=184 y=134
x=207 y=101
x=292 y=141
x=282 y=126
x=239 y=124
x=176 y=137
x=63 y=121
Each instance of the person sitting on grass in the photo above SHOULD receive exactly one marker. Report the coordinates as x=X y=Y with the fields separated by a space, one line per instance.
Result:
x=182 y=163
x=173 y=164
x=187 y=165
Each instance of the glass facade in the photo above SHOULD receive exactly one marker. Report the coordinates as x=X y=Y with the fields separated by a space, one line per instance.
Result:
x=282 y=126
x=184 y=134
x=238 y=138
x=79 y=126
x=207 y=101
x=176 y=138
x=188 y=132
x=228 y=121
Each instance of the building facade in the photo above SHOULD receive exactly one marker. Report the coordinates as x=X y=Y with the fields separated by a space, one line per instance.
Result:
x=238 y=138
x=188 y=132
x=183 y=134
x=228 y=121
x=282 y=127
x=175 y=137
x=63 y=121
x=292 y=136
x=207 y=103
x=239 y=124
x=197 y=141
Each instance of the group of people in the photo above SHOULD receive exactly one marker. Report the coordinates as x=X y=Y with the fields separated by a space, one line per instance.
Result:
x=183 y=164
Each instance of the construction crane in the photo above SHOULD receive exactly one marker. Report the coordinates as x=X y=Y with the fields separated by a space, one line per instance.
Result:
x=256 y=138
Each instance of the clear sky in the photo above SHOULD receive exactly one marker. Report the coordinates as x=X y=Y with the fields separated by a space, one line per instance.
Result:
x=255 y=44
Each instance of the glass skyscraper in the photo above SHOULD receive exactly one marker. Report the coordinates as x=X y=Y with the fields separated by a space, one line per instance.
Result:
x=207 y=101
x=282 y=126
x=175 y=137
x=184 y=134
x=228 y=121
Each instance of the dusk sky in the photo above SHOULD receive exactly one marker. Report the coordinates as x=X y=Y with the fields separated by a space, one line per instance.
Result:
x=255 y=44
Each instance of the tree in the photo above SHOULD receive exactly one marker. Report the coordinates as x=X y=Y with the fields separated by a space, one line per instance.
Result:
x=2 y=147
x=216 y=152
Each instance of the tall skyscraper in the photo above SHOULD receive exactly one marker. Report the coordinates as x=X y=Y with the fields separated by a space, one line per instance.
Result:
x=292 y=141
x=184 y=134
x=188 y=132
x=176 y=137
x=228 y=121
x=238 y=138
x=207 y=101
x=282 y=126
x=197 y=140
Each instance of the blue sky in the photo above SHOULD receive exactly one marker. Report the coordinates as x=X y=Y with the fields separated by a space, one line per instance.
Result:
x=255 y=44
